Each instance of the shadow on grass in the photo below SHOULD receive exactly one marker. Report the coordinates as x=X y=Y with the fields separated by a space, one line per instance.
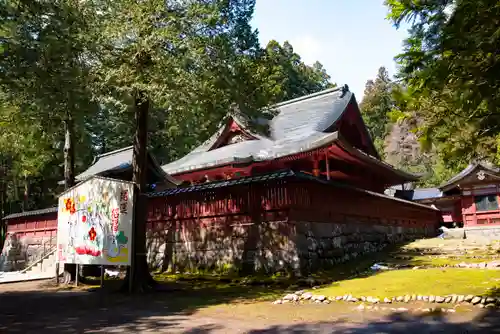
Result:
x=486 y=322
x=174 y=312
x=74 y=310
x=171 y=308
x=357 y=268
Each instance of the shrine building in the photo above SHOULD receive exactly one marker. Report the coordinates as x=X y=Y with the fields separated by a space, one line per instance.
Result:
x=469 y=199
x=322 y=134
x=299 y=190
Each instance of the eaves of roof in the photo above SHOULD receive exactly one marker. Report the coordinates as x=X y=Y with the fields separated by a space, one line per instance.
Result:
x=284 y=174
x=306 y=145
x=31 y=213
x=117 y=160
x=373 y=160
x=451 y=183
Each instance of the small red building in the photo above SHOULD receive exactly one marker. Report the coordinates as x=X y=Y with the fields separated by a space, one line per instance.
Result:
x=35 y=225
x=469 y=199
x=31 y=232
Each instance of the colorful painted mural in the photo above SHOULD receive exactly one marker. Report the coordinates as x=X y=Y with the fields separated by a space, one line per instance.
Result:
x=95 y=223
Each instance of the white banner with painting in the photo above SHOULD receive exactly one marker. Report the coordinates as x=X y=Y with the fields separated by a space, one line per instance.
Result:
x=95 y=223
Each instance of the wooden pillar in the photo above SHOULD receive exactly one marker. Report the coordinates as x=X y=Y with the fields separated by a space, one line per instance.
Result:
x=315 y=165
x=327 y=166
x=462 y=209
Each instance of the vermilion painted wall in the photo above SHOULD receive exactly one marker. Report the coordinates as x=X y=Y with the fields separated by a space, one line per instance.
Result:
x=471 y=217
x=36 y=226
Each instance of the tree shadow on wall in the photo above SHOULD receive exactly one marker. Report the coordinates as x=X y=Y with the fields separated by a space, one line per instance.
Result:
x=255 y=241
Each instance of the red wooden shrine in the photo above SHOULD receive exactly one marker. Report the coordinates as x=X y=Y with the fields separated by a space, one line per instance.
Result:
x=322 y=134
x=471 y=198
x=313 y=160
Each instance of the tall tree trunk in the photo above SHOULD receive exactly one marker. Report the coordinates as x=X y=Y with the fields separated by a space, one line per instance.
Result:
x=69 y=152
x=3 y=176
x=138 y=276
x=69 y=180
x=26 y=193
x=3 y=188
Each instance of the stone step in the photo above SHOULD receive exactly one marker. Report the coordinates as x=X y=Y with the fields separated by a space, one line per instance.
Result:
x=46 y=266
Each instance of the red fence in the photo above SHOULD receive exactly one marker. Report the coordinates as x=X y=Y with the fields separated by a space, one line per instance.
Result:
x=293 y=199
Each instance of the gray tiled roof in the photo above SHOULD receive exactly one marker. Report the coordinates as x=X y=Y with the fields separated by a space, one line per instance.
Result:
x=419 y=194
x=31 y=213
x=207 y=145
x=114 y=160
x=299 y=126
x=118 y=160
x=309 y=114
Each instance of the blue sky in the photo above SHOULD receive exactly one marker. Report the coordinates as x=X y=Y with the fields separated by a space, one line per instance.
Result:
x=351 y=38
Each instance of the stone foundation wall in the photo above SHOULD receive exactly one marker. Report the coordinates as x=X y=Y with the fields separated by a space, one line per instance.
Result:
x=19 y=251
x=222 y=245
x=484 y=233
x=322 y=245
x=270 y=246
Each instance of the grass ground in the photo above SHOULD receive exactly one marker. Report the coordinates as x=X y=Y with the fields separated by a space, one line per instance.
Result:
x=225 y=290
x=28 y=309
x=357 y=279
x=434 y=281
x=233 y=302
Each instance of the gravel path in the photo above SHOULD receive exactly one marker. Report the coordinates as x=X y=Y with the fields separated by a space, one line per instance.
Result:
x=27 y=308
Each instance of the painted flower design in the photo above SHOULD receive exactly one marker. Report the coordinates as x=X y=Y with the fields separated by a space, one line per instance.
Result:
x=92 y=234
x=69 y=205
x=84 y=219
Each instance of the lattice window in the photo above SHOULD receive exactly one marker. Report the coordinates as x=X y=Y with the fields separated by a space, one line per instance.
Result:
x=486 y=203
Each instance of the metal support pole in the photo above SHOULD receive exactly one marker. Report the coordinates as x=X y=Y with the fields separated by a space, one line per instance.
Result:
x=57 y=273
x=77 y=272
x=102 y=276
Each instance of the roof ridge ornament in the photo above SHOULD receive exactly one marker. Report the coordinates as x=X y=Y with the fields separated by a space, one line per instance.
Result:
x=481 y=175
x=345 y=90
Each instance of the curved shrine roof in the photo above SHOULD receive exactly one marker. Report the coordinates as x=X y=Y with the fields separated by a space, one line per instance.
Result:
x=300 y=125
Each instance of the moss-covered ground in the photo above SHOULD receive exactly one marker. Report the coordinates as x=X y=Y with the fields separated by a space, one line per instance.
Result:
x=435 y=281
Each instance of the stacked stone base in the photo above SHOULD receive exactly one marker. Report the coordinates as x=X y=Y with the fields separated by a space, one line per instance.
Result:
x=292 y=246
x=18 y=253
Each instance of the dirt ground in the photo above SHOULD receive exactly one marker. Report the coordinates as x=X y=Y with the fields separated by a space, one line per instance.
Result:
x=32 y=307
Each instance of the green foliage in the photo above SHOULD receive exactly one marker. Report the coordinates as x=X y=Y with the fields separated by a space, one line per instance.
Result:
x=194 y=60
x=451 y=61
x=286 y=77
x=44 y=79
x=376 y=105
